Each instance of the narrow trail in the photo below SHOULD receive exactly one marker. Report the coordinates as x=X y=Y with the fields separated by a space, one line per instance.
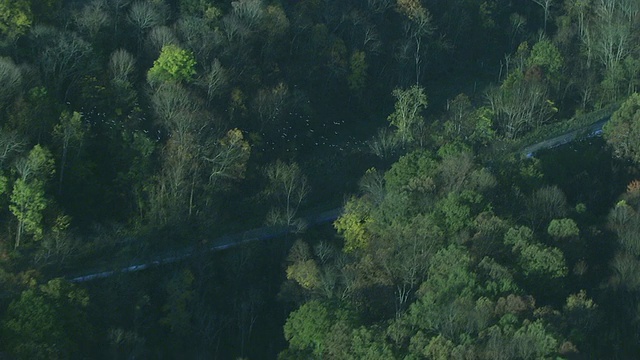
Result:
x=595 y=129
x=270 y=232
x=219 y=244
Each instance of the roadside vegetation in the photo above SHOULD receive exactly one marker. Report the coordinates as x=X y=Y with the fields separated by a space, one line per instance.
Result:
x=137 y=127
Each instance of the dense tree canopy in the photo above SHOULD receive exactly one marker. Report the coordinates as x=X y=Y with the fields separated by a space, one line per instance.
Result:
x=139 y=131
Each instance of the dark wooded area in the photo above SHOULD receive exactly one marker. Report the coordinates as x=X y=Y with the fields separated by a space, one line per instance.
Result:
x=138 y=127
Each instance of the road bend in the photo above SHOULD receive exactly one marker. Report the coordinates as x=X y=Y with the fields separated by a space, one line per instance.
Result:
x=219 y=244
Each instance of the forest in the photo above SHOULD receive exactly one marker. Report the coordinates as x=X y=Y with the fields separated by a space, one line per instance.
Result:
x=134 y=128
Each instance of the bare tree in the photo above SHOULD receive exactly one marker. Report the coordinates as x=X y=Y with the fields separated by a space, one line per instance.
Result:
x=199 y=36
x=546 y=6
x=65 y=59
x=116 y=6
x=11 y=80
x=271 y=104
x=379 y=6
x=228 y=159
x=160 y=36
x=215 y=80
x=144 y=16
x=521 y=106
x=10 y=143
x=93 y=17
x=121 y=65
x=418 y=26
x=289 y=187
x=250 y=12
x=173 y=104
x=612 y=34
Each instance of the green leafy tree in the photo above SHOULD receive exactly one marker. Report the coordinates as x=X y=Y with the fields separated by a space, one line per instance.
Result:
x=369 y=344
x=581 y=313
x=464 y=123
x=173 y=65
x=47 y=322
x=308 y=327
x=28 y=199
x=533 y=341
x=15 y=18
x=563 y=228
x=546 y=55
x=352 y=224
x=623 y=130
x=28 y=202
x=535 y=258
x=407 y=116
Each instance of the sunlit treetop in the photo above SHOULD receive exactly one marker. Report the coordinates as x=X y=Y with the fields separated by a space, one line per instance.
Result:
x=15 y=18
x=173 y=65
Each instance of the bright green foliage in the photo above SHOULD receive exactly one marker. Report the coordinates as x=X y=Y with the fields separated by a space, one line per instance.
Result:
x=498 y=279
x=367 y=344
x=173 y=65
x=510 y=340
x=537 y=259
x=27 y=204
x=455 y=212
x=413 y=172
x=48 y=322
x=410 y=103
x=70 y=127
x=449 y=276
x=308 y=327
x=15 y=18
x=533 y=341
x=306 y=273
x=28 y=199
x=467 y=124
x=352 y=224
x=439 y=348
x=39 y=164
x=563 y=228
x=483 y=132
x=622 y=132
x=547 y=56
x=581 y=312
x=357 y=71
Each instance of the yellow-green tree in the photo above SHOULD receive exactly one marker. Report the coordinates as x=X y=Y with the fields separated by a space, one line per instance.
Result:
x=47 y=322
x=622 y=132
x=15 y=18
x=407 y=116
x=28 y=200
x=173 y=65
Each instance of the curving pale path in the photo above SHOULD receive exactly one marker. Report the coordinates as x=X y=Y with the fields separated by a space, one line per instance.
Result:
x=588 y=131
x=270 y=232
x=221 y=243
